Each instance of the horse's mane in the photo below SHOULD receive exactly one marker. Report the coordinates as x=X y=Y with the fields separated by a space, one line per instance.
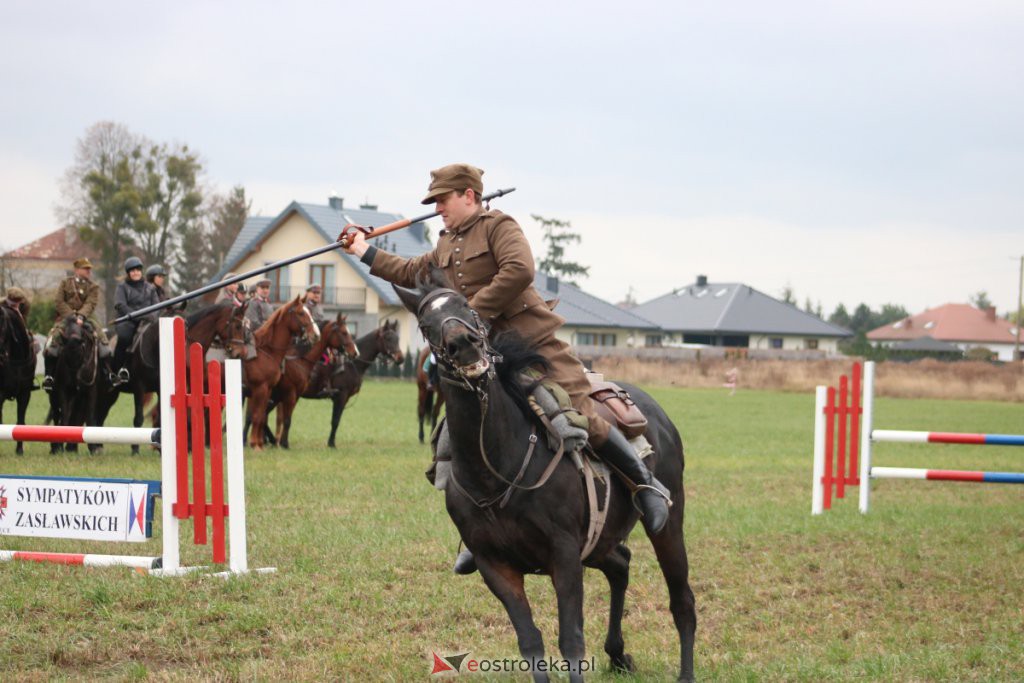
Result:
x=518 y=355
x=204 y=313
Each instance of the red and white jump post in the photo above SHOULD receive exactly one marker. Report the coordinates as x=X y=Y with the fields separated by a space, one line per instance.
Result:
x=181 y=396
x=838 y=426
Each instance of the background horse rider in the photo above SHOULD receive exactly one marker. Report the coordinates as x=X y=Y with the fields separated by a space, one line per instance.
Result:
x=498 y=283
x=229 y=293
x=131 y=295
x=259 y=309
x=78 y=295
x=157 y=276
x=311 y=300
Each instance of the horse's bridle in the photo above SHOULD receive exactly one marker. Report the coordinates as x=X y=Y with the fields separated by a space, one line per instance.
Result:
x=468 y=376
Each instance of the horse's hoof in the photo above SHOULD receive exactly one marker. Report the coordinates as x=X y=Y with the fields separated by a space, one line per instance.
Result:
x=623 y=664
x=330 y=444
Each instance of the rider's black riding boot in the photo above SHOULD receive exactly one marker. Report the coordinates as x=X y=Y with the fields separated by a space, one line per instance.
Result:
x=618 y=453
x=48 y=363
x=120 y=356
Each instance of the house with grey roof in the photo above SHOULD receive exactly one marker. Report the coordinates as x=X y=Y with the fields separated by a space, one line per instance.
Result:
x=347 y=284
x=367 y=300
x=590 y=321
x=736 y=315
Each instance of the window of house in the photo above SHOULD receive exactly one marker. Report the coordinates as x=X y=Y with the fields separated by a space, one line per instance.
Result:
x=776 y=342
x=323 y=275
x=595 y=339
x=810 y=344
x=279 y=289
x=652 y=340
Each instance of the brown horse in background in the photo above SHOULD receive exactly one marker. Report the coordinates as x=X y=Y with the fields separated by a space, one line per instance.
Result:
x=430 y=398
x=262 y=373
x=299 y=369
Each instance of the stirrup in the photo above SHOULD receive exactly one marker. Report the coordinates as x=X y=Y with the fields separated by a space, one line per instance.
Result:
x=657 y=488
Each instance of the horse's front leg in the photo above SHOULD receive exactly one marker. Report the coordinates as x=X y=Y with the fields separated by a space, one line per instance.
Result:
x=567 y=578
x=507 y=585
x=22 y=408
x=140 y=415
x=339 y=400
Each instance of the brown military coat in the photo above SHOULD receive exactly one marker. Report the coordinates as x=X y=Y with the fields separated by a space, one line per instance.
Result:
x=77 y=295
x=489 y=260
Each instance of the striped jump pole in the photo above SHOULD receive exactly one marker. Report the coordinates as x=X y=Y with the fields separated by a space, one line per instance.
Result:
x=209 y=494
x=826 y=476
x=51 y=434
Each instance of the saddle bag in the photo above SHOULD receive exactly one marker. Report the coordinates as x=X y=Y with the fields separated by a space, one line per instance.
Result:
x=615 y=405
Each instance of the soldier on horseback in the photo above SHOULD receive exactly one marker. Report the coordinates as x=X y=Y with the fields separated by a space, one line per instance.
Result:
x=259 y=309
x=487 y=258
x=77 y=295
x=133 y=294
x=311 y=301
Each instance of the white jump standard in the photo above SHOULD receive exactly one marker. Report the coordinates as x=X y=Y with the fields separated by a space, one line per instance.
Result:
x=825 y=476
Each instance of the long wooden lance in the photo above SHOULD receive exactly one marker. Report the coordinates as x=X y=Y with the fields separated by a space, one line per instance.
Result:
x=369 y=231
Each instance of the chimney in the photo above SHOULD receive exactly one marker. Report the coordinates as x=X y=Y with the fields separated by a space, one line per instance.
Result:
x=990 y=313
x=552 y=285
x=336 y=202
x=702 y=280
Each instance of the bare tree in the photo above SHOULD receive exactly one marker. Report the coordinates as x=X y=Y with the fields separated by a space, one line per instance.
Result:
x=99 y=196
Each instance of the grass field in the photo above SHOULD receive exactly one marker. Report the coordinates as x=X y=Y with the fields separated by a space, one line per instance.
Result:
x=927 y=587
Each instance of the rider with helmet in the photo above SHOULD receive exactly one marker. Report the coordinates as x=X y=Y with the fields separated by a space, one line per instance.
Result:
x=157 y=276
x=131 y=295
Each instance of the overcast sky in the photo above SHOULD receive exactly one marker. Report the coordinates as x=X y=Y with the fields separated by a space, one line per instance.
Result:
x=859 y=151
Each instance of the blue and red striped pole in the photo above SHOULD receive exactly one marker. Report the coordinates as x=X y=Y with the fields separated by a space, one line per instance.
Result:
x=948 y=437
x=948 y=475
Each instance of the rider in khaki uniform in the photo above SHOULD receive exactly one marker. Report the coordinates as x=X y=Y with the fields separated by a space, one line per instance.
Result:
x=487 y=258
x=79 y=295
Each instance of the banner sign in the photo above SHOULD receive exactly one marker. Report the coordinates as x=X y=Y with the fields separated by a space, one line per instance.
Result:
x=72 y=507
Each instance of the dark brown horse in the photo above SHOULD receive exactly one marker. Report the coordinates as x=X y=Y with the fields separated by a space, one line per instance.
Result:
x=17 y=363
x=515 y=529
x=334 y=338
x=346 y=381
x=262 y=373
x=76 y=376
x=429 y=396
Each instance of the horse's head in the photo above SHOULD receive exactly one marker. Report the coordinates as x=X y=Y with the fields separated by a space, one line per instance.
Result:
x=77 y=329
x=300 y=322
x=389 y=343
x=235 y=331
x=454 y=331
x=337 y=336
